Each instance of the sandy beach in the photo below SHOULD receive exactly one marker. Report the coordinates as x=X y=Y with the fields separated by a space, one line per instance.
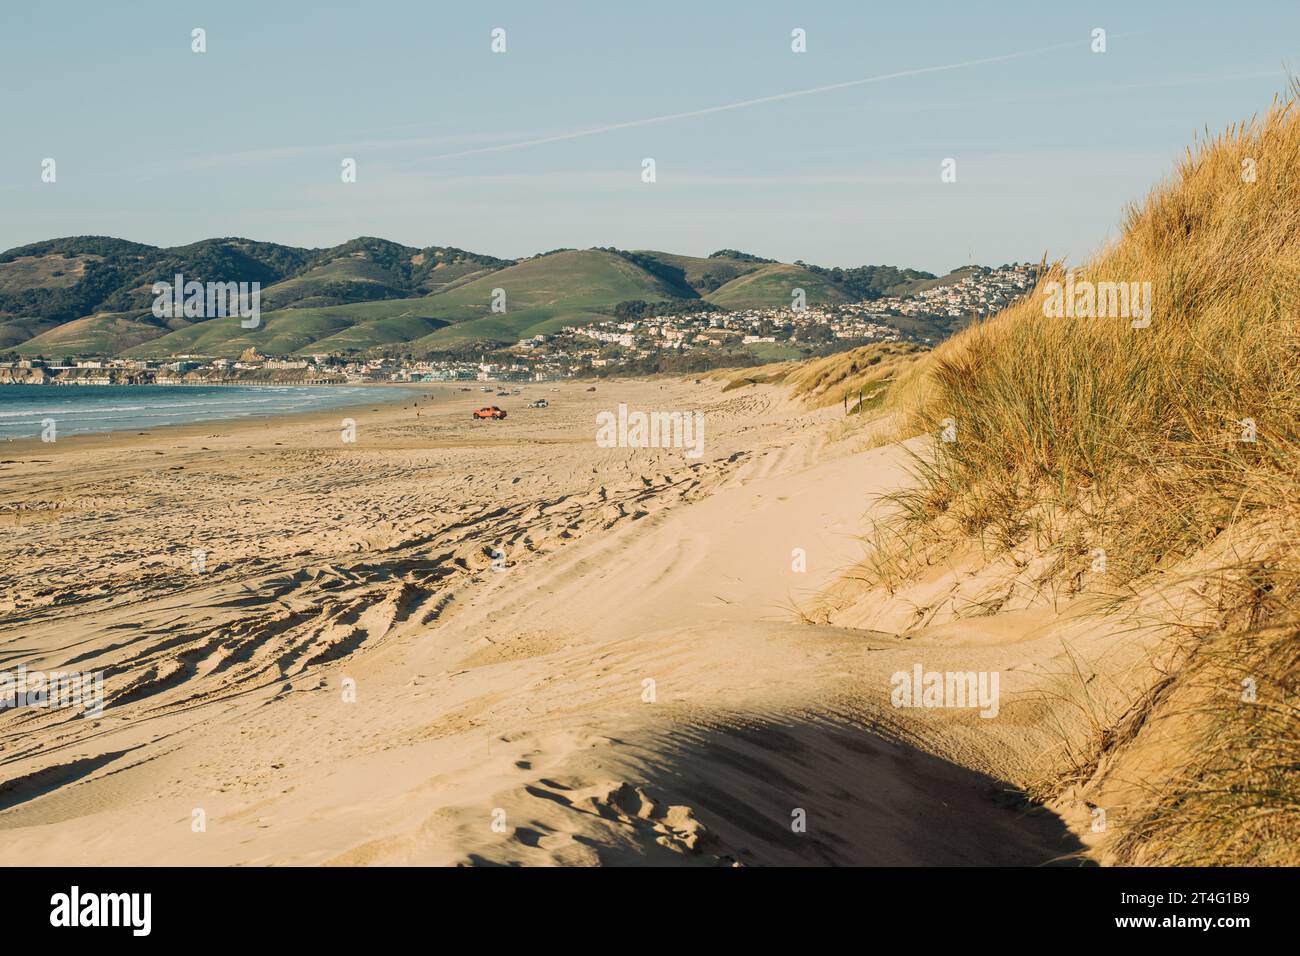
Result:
x=453 y=641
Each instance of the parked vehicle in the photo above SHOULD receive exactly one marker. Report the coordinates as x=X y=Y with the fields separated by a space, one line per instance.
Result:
x=539 y=403
x=489 y=411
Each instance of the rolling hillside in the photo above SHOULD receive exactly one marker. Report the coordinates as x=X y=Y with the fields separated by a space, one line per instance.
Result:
x=772 y=286
x=368 y=269
x=543 y=294
x=104 y=333
x=703 y=275
x=46 y=284
x=913 y=286
x=92 y=295
x=361 y=326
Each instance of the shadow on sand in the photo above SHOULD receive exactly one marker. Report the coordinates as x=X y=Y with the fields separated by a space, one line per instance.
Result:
x=810 y=791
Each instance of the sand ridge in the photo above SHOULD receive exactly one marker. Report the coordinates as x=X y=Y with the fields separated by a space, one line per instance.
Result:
x=494 y=643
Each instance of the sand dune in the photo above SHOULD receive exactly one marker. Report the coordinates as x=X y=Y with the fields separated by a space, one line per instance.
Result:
x=558 y=653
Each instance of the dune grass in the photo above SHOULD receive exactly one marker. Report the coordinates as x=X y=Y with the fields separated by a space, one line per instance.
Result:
x=1236 y=800
x=860 y=377
x=1149 y=443
x=1171 y=449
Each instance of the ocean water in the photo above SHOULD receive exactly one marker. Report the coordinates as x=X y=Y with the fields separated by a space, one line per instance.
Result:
x=78 y=409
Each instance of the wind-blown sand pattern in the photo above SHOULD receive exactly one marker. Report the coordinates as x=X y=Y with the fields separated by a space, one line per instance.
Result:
x=483 y=689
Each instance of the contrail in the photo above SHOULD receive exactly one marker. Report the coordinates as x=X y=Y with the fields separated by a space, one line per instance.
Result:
x=758 y=101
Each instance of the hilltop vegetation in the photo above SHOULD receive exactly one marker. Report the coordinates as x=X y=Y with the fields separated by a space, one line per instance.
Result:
x=542 y=295
x=368 y=269
x=872 y=282
x=775 y=285
x=92 y=295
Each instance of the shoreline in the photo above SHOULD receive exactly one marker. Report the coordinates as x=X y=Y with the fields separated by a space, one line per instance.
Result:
x=56 y=383
x=184 y=429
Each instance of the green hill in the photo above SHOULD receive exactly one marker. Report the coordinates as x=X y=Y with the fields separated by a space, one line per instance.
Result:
x=212 y=260
x=100 y=288
x=45 y=284
x=704 y=275
x=49 y=284
x=913 y=286
x=361 y=326
x=543 y=294
x=772 y=287
x=105 y=333
x=92 y=295
x=368 y=269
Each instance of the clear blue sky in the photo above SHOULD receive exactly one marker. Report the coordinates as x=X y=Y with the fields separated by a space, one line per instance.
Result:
x=160 y=145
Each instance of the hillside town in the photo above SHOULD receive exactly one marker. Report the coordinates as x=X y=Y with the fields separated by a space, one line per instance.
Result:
x=703 y=337
x=975 y=296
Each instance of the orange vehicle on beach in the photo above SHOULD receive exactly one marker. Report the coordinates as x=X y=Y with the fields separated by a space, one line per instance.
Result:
x=489 y=411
